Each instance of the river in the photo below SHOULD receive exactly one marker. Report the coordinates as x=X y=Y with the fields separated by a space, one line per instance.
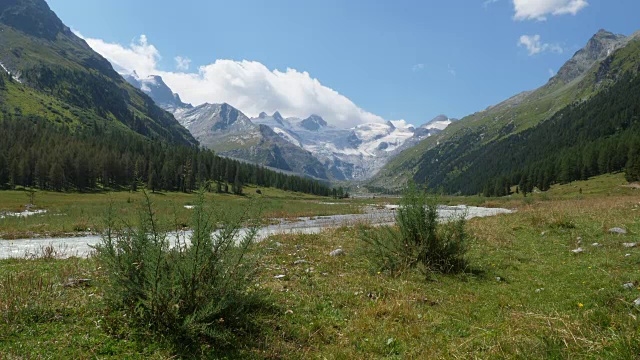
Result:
x=82 y=246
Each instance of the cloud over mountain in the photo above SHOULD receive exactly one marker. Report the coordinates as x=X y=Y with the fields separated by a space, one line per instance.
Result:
x=247 y=85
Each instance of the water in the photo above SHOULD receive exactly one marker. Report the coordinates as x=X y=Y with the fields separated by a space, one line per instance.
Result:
x=82 y=246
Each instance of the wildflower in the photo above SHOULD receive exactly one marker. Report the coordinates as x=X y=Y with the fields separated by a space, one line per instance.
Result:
x=580 y=305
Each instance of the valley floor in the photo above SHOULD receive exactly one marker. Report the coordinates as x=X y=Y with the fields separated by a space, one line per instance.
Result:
x=524 y=295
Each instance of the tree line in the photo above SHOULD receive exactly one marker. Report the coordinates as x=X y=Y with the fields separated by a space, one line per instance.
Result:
x=35 y=152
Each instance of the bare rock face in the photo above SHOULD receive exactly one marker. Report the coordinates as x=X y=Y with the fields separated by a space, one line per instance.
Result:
x=601 y=45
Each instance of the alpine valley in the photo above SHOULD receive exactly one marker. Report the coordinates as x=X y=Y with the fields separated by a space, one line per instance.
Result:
x=304 y=146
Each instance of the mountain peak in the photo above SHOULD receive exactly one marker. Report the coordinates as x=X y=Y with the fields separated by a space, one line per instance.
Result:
x=33 y=17
x=262 y=115
x=157 y=89
x=276 y=115
x=601 y=45
x=313 y=123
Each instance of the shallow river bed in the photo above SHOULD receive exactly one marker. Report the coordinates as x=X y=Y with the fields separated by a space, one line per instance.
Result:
x=82 y=246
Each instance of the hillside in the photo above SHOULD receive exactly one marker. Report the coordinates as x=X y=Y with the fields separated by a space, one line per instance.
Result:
x=444 y=160
x=56 y=76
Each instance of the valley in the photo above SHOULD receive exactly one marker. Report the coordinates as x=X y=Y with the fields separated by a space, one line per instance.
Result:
x=262 y=181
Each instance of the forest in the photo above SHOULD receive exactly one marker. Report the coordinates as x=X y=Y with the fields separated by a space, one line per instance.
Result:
x=588 y=138
x=36 y=153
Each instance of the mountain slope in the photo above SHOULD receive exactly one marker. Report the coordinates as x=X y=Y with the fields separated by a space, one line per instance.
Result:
x=580 y=78
x=350 y=154
x=46 y=58
x=229 y=132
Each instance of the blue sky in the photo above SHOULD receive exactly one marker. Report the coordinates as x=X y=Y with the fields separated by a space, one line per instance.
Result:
x=397 y=59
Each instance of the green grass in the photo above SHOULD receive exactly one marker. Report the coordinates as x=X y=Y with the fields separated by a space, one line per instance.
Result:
x=69 y=213
x=338 y=308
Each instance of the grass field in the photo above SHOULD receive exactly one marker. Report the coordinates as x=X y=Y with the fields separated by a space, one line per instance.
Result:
x=525 y=294
x=72 y=213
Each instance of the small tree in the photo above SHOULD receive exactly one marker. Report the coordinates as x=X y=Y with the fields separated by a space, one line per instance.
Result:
x=419 y=239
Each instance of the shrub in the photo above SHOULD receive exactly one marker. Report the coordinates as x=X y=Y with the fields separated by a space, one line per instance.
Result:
x=419 y=238
x=188 y=288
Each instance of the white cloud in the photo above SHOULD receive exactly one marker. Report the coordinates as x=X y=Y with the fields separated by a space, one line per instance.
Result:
x=534 y=45
x=248 y=85
x=417 y=67
x=539 y=9
x=486 y=3
x=552 y=73
x=182 y=63
x=139 y=55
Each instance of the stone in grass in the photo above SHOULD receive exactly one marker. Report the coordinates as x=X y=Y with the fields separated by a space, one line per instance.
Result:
x=71 y=282
x=279 y=276
x=539 y=290
x=596 y=245
x=337 y=252
x=627 y=255
x=628 y=286
x=617 y=230
x=636 y=302
x=298 y=262
x=578 y=250
x=630 y=245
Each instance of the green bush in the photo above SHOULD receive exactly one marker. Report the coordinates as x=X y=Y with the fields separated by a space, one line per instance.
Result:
x=419 y=239
x=185 y=288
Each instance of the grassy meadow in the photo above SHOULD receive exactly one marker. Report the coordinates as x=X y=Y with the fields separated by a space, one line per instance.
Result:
x=77 y=213
x=524 y=295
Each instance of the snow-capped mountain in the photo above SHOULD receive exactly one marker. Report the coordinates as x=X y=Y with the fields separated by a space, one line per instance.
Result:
x=308 y=146
x=155 y=87
x=348 y=154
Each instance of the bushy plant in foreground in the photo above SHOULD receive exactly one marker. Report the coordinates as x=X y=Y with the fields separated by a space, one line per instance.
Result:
x=187 y=288
x=419 y=239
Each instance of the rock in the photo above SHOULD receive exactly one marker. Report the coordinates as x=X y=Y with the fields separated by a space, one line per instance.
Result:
x=337 y=252
x=542 y=233
x=627 y=255
x=498 y=278
x=628 y=286
x=578 y=250
x=636 y=302
x=596 y=245
x=279 y=276
x=77 y=282
x=298 y=262
x=258 y=191
x=617 y=230
x=630 y=245
x=539 y=290
x=289 y=312
x=579 y=240
x=278 y=244
x=309 y=270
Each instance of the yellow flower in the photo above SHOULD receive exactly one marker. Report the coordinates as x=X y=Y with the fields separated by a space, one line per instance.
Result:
x=580 y=305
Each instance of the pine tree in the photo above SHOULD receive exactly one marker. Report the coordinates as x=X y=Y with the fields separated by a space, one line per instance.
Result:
x=56 y=177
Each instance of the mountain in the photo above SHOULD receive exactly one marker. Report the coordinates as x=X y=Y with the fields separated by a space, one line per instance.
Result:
x=161 y=94
x=347 y=154
x=454 y=158
x=58 y=77
x=601 y=45
x=229 y=132
x=313 y=123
